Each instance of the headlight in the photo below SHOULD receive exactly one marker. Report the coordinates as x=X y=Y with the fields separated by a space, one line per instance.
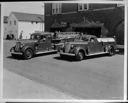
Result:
x=21 y=45
x=72 y=46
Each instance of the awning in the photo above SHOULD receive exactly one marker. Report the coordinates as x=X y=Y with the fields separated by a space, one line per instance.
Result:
x=86 y=24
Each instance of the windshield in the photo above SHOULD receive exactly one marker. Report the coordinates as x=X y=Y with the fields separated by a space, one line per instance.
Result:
x=82 y=39
x=35 y=37
x=85 y=39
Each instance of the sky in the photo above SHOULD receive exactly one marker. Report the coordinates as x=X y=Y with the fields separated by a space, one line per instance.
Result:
x=27 y=7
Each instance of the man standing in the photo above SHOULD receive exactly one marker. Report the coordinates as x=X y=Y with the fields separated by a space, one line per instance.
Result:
x=21 y=35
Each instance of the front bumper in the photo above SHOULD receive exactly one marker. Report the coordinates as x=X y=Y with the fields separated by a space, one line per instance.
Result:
x=12 y=51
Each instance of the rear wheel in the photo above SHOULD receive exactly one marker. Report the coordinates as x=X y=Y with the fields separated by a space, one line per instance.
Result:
x=80 y=56
x=28 y=54
x=110 y=50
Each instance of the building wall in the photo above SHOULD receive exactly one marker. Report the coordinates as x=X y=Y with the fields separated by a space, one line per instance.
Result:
x=5 y=30
x=11 y=27
x=28 y=28
x=48 y=8
x=69 y=7
x=111 y=17
x=73 y=7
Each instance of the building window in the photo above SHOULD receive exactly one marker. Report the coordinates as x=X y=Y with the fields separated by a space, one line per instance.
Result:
x=82 y=7
x=14 y=22
x=56 y=8
x=85 y=7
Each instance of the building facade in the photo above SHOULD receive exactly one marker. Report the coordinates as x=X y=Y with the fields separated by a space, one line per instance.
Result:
x=107 y=18
x=5 y=26
x=23 y=24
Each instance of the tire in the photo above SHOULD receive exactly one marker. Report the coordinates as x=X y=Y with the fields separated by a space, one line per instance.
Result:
x=111 y=51
x=28 y=54
x=61 y=56
x=80 y=56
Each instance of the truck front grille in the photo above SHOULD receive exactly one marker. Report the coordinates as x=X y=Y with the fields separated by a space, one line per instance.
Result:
x=17 y=47
x=67 y=48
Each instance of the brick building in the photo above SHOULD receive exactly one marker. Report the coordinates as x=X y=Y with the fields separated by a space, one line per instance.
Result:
x=5 y=25
x=96 y=19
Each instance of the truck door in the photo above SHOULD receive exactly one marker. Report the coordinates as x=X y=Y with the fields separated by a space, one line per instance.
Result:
x=44 y=44
x=95 y=46
x=92 y=46
x=98 y=46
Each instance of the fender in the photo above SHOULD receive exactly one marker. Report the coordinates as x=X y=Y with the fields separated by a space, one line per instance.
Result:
x=26 y=47
x=77 y=49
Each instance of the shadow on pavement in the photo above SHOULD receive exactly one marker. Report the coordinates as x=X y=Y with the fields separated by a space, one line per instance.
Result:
x=45 y=54
x=20 y=57
x=16 y=57
x=66 y=58
x=72 y=59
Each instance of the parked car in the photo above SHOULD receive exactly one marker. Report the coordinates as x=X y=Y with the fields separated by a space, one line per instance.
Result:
x=88 y=45
x=37 y=44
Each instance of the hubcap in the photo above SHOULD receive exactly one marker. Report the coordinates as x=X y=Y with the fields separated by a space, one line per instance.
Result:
x=28 y=53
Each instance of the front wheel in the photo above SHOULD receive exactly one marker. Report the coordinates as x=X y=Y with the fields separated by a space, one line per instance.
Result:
x=28 y=54
x=80 y=56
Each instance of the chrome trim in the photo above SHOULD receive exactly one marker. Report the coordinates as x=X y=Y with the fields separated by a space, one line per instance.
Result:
x=17 y=53
x=50 y=51
x=97 y=53
x=117 y=50
x=68 y=54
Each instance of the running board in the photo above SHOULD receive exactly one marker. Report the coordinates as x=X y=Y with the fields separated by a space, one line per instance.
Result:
x=97 y=53
x=46 y=52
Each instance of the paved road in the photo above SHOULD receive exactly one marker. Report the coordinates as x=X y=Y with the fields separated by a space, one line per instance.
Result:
x=94 y=78
x=19 y=87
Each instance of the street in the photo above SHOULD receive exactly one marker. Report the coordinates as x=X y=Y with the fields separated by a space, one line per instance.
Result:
x=98 y=77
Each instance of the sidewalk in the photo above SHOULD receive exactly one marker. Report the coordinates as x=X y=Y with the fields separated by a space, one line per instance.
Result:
x=18 y=87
